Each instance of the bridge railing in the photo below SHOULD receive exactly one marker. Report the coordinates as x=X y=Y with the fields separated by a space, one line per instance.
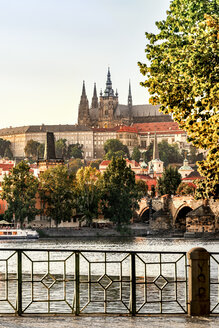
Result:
x=54 y=281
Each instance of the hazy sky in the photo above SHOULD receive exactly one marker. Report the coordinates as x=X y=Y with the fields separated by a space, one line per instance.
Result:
x=48 y=47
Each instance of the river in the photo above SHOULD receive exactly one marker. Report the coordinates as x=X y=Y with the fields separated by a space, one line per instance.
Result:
x=115 y=244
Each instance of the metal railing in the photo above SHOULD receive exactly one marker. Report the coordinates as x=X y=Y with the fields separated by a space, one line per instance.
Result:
x=34 y=281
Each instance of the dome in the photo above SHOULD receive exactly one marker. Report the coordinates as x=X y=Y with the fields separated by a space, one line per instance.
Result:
x=143 y=165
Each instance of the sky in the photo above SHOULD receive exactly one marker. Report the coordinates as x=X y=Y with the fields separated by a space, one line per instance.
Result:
x=48 y=47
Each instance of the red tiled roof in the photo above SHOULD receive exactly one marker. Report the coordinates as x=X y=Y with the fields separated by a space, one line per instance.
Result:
x=143 y=177
x=105 y=163
x=193 y=176
x=125 y=128
x=33 y=166
x=136 y=164
x=132 y=162
x=106 y=129
x=6 y=167
x=192 y=185
x=167 y=127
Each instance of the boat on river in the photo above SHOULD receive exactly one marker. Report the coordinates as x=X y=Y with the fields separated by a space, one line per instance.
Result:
x=9 y=231
x=14 y=233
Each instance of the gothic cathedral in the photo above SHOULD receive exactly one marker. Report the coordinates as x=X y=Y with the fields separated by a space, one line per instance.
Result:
x=108 y=113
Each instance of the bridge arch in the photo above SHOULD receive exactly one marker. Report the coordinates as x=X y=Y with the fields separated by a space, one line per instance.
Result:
x=179 y=221
x=144 y=214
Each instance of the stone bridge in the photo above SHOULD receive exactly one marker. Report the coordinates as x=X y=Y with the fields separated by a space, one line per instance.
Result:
x=177 y=207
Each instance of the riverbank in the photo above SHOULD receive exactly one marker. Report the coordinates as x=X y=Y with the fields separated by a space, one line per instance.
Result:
x=134 y=230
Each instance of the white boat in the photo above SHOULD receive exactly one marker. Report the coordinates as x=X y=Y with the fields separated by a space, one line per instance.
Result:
x=14 y=233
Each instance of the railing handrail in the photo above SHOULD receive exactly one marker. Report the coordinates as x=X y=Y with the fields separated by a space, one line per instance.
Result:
x=93 y=251
x=195 y=267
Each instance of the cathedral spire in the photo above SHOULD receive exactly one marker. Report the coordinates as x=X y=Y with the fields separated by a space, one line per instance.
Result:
x=155 y=148
x=83 y=90
x=130 y=96
x=108 y=82
x=108 y=91
x=83 y=110
x=94 y=103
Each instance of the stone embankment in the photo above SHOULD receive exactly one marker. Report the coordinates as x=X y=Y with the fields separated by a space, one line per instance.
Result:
x=136 y=230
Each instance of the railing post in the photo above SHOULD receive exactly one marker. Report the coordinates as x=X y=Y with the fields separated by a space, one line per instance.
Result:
x=199 y=282
x=19 y=282
x=77 y=284
x=133 y=286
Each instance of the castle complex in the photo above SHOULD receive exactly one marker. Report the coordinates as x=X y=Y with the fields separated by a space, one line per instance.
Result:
x=133 y=125
x=106 y=112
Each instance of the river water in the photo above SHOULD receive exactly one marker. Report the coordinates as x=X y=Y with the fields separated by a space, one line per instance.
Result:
x=113 y=244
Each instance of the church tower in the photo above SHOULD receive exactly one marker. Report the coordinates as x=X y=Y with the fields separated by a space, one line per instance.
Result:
x=130 y=101
x=94 y=103
x=83 y=110
x=155 y=165
x=108 y=104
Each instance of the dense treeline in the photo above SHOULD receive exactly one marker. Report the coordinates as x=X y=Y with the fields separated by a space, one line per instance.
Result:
x=60 y=190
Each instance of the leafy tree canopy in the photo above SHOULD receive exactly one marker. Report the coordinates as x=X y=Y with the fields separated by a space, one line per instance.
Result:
x=169 y=181
x=95 y=164
x=88 y=193
x=183 y=77
x=61 y=148
x=185 y=189
x=120 y=195
x=115 y=148
x=57 y=193
x=75 y=164
x=142 y=188
x=34 y=149
x=194 y=155
x=5 y=150
x=75 y=151
x=136 y=154
x=19 y=190
x=168 y=153
x=148 y=154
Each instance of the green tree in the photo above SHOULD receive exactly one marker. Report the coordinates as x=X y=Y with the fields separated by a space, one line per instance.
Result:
x=169 y=153
x=88 y=193
x=148 y=154
x=75 y=151
x=194 y=156
x=142 y=188
x=115 y=148
x=183 y=77
x=5 y=148
x=169 y=181
x=61 y=148
x=185 y=189
x=19 y=190
x=34 y=149
x=41 y=149
x=136 y=154
x=57 y=192
x=119 y=193
x=75 y=164
x=96 y=163
x=8 y=153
